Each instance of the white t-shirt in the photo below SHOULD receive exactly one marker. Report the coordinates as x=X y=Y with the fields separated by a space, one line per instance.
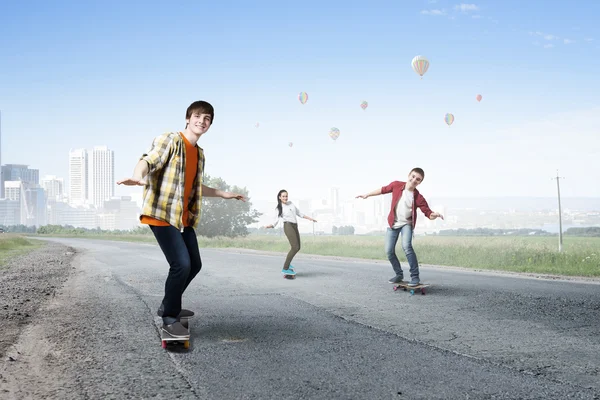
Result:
x=404 y=208
x=289 y=213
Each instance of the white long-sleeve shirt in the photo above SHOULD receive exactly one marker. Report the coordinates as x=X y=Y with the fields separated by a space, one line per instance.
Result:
x=289 y=213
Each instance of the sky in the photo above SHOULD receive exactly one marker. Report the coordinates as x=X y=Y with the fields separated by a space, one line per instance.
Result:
x=118 y=73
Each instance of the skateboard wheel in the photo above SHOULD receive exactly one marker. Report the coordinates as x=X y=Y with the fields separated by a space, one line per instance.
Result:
x=395 y=288
x=423 y=292
x=186 y=344
x=405 y=289
x=412 y=292
x=164 y=344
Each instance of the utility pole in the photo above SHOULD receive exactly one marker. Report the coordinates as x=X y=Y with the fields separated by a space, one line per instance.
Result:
x=560 y=232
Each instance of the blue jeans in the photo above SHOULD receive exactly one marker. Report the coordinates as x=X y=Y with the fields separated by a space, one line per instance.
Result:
x=182 y=252
x=391 y=238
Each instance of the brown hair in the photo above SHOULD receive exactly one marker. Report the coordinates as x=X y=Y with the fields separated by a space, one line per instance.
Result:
x=418 y=171
x=279 y=206
x=201 y=107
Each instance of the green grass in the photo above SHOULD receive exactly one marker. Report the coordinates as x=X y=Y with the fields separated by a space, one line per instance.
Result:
x=12 y=245
x=580 y=256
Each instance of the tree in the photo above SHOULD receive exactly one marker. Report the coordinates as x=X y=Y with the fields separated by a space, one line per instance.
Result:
x=220 y=217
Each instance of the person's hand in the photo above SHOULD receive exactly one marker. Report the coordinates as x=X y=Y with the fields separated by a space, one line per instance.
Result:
x=132 y=182
x=362 y=196
x=435 y=215
x=229 y=195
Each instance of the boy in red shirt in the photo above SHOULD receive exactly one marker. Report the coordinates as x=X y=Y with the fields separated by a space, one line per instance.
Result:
x=402 y=220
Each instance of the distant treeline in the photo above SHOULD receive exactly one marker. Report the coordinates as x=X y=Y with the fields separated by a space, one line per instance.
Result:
x=493 y=232
x=589 y=231
x=592 y=231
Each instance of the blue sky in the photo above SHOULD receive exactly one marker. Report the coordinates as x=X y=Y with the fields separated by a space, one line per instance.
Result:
x=120 y=73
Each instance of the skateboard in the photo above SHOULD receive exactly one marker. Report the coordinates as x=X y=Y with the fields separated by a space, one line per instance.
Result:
x=286 y=276
x=166 y=338
x=404 y=285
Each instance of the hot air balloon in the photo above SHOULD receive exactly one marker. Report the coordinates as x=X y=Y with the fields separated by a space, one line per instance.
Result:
x=479 y=97
x=290 y=144
x=364 y=105
x=420 y=65
x=449 y=118
x=334 y=133
x=303 y=97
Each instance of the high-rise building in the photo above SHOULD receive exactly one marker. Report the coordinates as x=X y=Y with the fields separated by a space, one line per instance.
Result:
x=78 y=177
x=54 y=187
x=335 y=200
x=35 y=203
x=10 y=212
x=15 y=192
x=101 y=173
x=125 y=214
x=19 y=172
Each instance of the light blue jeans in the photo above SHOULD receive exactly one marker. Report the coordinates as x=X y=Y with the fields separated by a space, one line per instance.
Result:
x=391 y=238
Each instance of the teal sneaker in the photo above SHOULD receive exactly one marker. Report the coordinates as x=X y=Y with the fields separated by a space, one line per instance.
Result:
x=292 y=268
x=288 y=272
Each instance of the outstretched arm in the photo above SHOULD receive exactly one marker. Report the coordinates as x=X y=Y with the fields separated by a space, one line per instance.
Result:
x=210 y=192
x=139 y=175
x=302 y=215
x=375 y=192
x=274 y=224
x=424 y=207
x=153 y=160
x=435 y=215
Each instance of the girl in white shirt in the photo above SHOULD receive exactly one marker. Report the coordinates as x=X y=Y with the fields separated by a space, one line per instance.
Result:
x=288 y=211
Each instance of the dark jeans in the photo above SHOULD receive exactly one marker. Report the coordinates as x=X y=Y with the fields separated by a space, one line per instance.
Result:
x=182 y=253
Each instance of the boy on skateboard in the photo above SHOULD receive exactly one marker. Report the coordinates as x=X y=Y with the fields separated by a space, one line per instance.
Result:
x=171 y=172
x=402 y=220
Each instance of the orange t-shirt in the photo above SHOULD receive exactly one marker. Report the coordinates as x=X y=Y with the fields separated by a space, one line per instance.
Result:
x=191 y=168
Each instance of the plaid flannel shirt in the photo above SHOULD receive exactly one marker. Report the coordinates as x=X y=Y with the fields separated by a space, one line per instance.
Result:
x=163 y=194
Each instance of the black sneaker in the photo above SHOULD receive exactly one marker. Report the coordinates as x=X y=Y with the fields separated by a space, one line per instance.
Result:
x=182 y=314
x=414 y=281
x=396 y=279
x=177 y=330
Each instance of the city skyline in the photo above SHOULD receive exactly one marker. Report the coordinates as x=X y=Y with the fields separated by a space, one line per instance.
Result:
x=341 y=194
x=333 y=207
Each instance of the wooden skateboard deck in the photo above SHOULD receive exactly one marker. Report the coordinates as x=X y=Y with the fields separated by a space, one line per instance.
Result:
x=168 y=339
x=289 y=276
x=404 y=285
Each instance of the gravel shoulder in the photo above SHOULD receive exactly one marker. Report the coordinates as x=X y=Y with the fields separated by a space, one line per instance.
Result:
x=26 y=283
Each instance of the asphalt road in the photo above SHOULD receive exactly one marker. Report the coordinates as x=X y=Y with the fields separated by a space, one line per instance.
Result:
x=338 y=331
